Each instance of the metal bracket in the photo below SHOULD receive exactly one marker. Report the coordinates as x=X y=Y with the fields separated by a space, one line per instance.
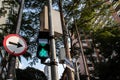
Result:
x=52 y=37
x=51 y=63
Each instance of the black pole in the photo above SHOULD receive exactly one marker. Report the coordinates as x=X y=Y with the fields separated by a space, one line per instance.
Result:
x=20 y=16
x=11 y=74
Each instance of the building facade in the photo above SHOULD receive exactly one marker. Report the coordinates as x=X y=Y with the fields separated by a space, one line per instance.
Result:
x=116 y=9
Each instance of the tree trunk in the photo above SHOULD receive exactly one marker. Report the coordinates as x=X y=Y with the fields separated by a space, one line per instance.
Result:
x=65 y=37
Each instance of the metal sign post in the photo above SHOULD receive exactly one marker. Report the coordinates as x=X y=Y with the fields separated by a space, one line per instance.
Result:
x=20 y=16
x=52 y=44
x=12 y=59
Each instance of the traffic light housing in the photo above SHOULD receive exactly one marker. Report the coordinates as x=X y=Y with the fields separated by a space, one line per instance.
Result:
x=43 y=46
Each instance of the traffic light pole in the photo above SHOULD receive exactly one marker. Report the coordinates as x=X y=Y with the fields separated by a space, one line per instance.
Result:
x=52 y=44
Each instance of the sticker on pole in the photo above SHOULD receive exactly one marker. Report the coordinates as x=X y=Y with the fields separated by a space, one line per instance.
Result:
x=15 y=44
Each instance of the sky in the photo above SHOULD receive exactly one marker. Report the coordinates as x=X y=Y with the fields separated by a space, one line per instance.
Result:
x=24 y=63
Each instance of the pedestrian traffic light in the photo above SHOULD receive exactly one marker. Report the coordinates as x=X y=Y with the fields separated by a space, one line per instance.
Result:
x=43 y=46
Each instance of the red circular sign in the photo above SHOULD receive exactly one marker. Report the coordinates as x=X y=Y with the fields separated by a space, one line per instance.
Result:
x=15 y=44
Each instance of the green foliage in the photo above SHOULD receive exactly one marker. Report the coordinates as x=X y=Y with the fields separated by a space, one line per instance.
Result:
x=109 y=45
x=108 y=39
x=85 y=13
x=109 y=70
x=30 y=74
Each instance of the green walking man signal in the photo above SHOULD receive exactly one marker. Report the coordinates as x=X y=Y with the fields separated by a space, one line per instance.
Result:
x=43 y=46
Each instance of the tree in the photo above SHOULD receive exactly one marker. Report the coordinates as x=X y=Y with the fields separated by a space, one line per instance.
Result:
x=86 y=20
x=30 y=74
x=84 y=12
x=109 y=41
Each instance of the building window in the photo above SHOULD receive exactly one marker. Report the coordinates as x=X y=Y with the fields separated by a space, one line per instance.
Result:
x=117 y=8
x=113 y=0
x=115 y=5
x=118 y=13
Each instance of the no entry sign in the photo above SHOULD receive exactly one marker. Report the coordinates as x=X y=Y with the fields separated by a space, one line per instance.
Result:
x=15 y=44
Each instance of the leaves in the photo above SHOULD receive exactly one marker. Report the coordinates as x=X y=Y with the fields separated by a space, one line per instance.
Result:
x=30 y=74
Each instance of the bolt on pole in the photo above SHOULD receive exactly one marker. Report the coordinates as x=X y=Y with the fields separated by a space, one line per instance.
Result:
x=54 y=69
